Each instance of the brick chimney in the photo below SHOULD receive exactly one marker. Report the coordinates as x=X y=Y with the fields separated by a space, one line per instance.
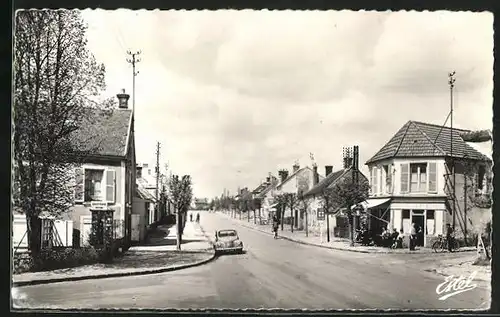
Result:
x=348 y=162
x=296 y=167
x=315 y=175
x=283 y=175
x=328 y=170
x=123 y=100
x=138 y=171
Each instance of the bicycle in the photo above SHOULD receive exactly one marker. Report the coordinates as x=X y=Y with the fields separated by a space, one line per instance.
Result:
x=441 y=244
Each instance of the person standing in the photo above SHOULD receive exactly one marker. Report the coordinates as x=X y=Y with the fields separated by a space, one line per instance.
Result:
x=413 y=237
x=449 y=237
x=198 y=217
x=275 y=227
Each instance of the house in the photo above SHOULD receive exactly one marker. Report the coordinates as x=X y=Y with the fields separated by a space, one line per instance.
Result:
x=412 y=181
x=298 y=182
x=266 y=197
x=106 y=178
x=143 y=211
x=338 y=224
x=201 y=204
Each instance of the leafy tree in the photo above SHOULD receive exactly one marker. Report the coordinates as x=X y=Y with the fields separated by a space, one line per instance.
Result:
x=345 y=194
x=181 y=194
x=56 y=84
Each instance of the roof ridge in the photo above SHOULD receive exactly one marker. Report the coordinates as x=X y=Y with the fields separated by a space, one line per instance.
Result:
x=439 y=126
x=408 y=124
x=430 y=140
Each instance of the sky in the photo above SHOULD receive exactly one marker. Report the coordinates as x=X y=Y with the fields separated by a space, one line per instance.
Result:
x=233 y=95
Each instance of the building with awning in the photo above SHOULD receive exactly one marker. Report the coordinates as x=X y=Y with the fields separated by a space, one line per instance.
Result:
x=428 y=175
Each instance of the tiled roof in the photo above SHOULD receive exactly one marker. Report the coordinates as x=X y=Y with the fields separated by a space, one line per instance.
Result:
x=274 y=182
x=104 y=133
x=293 y=174
x=325 y=182
x=143 y=193
x=418 y=139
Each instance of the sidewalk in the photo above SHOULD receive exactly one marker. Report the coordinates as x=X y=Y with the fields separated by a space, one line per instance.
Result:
x=335 y=243
x=159 y=256
x=464 y=267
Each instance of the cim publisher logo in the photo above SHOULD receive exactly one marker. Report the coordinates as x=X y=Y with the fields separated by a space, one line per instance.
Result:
x=455 y=285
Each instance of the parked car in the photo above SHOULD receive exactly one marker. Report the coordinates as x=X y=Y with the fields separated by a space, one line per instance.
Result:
x=227 y=241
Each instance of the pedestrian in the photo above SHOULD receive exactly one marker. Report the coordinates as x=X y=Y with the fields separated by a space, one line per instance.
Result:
x=449 y=238
x=191 y=217
x=413 y=237
x=198 y=217
x=275 y=227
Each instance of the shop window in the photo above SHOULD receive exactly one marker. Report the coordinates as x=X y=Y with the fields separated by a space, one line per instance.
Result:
x=406 y=214
x=430 y=214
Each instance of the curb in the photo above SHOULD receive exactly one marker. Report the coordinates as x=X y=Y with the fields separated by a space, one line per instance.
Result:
x=121 y=274
x=342 y=249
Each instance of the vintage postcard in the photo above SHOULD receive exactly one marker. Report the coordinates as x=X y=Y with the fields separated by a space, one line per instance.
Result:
x=320 y=160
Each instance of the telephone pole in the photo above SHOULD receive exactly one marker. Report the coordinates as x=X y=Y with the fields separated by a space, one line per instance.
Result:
x=133 y=60
x=157 y=170
x=451 y=82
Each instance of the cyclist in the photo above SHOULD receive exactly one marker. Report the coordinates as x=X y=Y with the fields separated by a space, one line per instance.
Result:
x=449 y=237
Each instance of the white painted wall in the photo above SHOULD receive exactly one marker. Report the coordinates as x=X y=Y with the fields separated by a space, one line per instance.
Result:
x=64 y=228
x=396 y=176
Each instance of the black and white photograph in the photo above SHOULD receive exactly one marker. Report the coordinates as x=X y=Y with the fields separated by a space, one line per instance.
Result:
x=251 y=159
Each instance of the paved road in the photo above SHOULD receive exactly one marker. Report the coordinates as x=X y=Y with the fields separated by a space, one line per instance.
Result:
x=271 y=274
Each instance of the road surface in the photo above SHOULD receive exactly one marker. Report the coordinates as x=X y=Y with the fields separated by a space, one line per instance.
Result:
x=271 y=274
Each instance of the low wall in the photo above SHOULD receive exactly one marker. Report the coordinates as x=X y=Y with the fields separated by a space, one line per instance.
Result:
x=63 y=232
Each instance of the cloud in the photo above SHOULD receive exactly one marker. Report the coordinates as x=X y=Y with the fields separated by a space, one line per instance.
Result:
x=233 y=95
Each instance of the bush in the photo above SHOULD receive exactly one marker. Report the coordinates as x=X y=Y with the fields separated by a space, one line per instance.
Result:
x=60 y=258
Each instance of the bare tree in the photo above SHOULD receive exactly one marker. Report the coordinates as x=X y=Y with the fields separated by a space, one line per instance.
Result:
x=181 y=195
x=345 y=194
x=55 y=79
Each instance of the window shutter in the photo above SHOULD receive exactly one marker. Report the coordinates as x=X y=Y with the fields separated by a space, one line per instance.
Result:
x=405 y=177
x=432 y=178
x=79 y=184
x=372 y=185
x=110 y=186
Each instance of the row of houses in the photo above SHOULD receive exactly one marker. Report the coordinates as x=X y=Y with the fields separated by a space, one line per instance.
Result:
x=426 y=174
x=110 y=179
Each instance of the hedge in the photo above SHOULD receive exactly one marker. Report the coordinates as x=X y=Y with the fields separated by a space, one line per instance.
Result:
x=57 y=258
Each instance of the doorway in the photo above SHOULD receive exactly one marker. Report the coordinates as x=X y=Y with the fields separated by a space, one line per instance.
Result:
x=419 y=221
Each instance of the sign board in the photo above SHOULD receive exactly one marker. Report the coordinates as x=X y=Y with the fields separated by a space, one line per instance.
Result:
x=320 y=214
x=98 y=205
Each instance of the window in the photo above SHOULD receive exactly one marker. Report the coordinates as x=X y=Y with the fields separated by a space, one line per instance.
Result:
x=406 y=214
x=418 y=177
x=93 y=185
x=430 y=214
x=480 y=177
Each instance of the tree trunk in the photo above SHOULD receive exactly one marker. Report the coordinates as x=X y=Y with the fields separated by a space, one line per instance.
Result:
x=34 y=228
x=282 y=220
x=351 y=231
x=254 y=219
x=179 y=235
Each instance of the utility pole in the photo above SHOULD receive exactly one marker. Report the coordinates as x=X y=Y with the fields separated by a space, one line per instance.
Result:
x=157 y=170
x=133 y=60
x=451 y=82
